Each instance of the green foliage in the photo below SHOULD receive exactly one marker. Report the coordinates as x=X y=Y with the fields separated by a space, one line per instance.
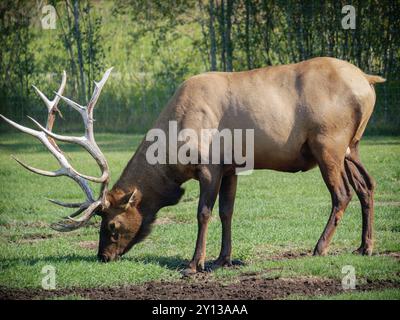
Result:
x=155 y=45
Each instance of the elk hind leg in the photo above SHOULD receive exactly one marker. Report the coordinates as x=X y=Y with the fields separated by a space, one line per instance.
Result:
x=364 y=185
x=332 y=168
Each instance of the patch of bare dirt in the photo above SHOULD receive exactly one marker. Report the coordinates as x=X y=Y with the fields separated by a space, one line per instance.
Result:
x=37 y=224
x=248 y=287
x=163 y=220
x=290 y=255
x=35 y=237
x=391 y=254
x=91 y=245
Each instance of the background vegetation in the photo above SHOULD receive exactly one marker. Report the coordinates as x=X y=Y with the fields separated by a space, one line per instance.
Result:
x=155 y=45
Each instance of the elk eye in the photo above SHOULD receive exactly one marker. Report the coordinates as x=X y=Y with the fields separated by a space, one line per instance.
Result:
x=115 y=236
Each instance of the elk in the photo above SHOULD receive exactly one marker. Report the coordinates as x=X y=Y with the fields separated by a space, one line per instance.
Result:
x=304 y=115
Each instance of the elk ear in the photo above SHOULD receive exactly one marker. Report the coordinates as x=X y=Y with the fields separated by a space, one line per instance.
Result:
x=130 y=199
x=108 y=201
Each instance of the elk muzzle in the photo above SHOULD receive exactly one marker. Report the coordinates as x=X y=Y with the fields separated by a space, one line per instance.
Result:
x=107 y=257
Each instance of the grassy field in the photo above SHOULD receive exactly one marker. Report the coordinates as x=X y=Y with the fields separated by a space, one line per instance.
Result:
x=278 y=219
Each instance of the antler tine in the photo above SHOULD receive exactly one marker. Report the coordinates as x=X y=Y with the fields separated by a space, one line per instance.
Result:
x=82 y=141
x=73 y=104
x=45 y=141
x=69 y=223
x=52 y=107
x=46 y=136
x=98 y=86
x=65 y=204
x=27 y=130
x=51 y=104
x=46 y=173
x=93 y=100
x=85 y=187
x=88 y=141
x=65 y=170
x=71 y=139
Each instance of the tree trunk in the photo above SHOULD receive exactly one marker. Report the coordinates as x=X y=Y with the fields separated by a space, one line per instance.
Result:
x=247 y=35
x=223 y=35
x=78 y=38
x=228 y=40
x=68 y=43
x=213 y=50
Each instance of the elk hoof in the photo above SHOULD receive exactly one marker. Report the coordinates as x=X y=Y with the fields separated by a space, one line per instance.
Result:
x=188 y=272
x=222 y=262
x=365 y=251
x=320 y=251
x=193 y=268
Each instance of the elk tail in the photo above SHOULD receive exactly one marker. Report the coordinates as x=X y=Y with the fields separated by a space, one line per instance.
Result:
x=374 y=79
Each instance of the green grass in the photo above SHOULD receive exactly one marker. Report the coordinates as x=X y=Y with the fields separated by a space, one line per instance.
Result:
x=274 y=213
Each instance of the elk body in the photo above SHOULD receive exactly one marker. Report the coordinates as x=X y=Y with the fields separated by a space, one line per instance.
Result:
x=308 y=114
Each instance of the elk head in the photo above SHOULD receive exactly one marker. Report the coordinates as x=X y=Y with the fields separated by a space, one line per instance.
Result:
x=121 y=219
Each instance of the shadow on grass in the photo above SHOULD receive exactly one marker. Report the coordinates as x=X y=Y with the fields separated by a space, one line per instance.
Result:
x=172 y=263
x=9 y=262
x=175 y=263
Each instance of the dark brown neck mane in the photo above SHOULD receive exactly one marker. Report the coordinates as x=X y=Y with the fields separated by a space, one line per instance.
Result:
x=159 y=186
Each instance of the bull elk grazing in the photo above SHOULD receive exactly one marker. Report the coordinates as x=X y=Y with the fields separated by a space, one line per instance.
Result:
x=305 y=114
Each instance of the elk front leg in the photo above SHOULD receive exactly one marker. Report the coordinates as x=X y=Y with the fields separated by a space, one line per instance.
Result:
x=210 y=182
x=227 y=195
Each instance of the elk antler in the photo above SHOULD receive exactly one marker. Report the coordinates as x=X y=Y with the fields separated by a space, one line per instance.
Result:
x=47 y=137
